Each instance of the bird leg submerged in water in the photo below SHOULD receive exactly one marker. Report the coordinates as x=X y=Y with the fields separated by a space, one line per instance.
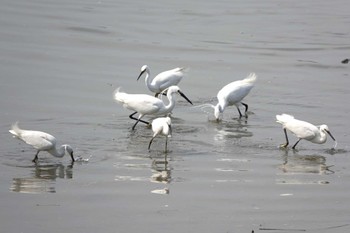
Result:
x=137 y=120
x=287 y=141
x=245 y=112
x=36 y=157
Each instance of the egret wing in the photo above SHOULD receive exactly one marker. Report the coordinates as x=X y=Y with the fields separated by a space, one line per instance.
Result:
x=168 y=78
x=144 y=104
x=234 y=92
x=302 y=129
x=39 y=140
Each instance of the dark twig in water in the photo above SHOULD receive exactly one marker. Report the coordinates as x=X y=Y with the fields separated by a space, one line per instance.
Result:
x=345 y=61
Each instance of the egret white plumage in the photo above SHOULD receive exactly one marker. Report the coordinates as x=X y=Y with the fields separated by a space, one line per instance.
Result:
x=161 y=125
x=303 y=130
x=148 y=105
x=233 y=94
x=41 y=141
x=163 y=80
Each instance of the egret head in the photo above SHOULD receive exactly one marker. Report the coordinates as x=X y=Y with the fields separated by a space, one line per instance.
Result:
x=325 y=129
x=176 y=89
x=144 y=69
x=217 y=111
x=69 y=150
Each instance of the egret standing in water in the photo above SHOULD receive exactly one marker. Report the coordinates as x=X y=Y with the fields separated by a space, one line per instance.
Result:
x=163 y=80
x=161 y=125
x=41 y=141
x=303 y=130
x=148 y=105
x=233 y=94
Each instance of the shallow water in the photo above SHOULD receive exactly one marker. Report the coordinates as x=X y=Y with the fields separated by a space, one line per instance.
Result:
x=61 y=61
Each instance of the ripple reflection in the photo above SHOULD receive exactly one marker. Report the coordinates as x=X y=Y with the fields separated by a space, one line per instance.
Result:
x=43 y=179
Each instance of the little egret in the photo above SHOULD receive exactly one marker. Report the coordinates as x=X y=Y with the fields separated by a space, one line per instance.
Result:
x=233 y=94
x=163 y=80
x=303 y=130
x=161 y=125
x=41 y=141
x=146 y=104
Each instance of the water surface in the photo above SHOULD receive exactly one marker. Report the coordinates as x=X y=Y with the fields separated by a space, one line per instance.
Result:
x=61 y=61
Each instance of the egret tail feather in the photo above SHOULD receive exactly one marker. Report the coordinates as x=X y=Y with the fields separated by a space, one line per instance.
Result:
x=251 y=78
x=284 y=118
x=15 y=130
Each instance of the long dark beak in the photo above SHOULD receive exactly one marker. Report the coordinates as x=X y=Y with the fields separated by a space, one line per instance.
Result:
x=140 y=75
x=183 y=95
x=71 y=155
x=330 y=135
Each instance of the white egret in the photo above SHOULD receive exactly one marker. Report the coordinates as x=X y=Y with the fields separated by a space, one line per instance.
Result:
x=303 y=130
x=163 y=80
x=41 y=141
x=161 y=125
x=233 y=94
x=146 y=104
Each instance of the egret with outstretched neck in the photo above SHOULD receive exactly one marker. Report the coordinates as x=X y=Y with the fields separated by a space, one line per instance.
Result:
x=163 y=80
x=41 y=141
x=148 y=105
x=303 y=130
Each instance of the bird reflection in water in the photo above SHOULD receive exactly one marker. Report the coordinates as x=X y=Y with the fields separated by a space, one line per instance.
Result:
x=232 y=130
x=43 y=179
x=298 y=166
x=161 y=174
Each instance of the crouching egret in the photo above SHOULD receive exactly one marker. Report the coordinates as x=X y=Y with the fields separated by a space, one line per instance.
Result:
x=233 y=94
x=163 y=80
x=148 y=105
x=41 y=141
x=161 y=125
x=303 y=130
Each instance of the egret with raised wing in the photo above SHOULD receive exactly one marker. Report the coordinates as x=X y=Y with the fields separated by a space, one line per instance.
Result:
x=41 y=141
x=148 y=105
x=303 y=130
x=161 y=125
x=163 y=80
x=233 y=94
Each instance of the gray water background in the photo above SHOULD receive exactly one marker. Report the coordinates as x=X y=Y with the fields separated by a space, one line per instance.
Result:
x=60 y=62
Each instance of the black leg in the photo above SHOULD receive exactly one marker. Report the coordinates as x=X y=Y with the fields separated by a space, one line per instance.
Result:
x=166 y=143
x=296 y=144
x=246 y=109
x=133 y=127
x=170 y=130
x=239 y=111
x=134 y=118
x=150 y=142
x=287 y=141
x=36 y=157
